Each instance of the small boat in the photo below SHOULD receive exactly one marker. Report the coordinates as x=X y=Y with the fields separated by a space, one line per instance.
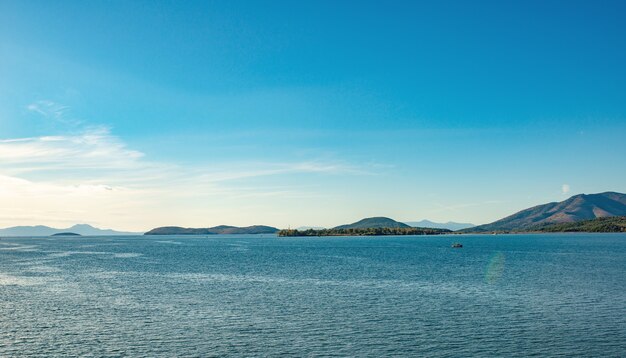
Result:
x=457 y=245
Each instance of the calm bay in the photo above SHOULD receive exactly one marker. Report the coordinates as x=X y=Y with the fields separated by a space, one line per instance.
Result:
x=259 y=295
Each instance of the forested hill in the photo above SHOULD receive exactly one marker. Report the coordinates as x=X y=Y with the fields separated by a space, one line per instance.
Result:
x=608 y=224
x=577 y=208
x=375 y=222
x=216 y=230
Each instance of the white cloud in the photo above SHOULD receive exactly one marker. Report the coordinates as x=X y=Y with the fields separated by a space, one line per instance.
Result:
x=52 y=110
x=92 y=149
x=94 y=177
x=565 y=188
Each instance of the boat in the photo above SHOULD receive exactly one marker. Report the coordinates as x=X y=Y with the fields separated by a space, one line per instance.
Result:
x=457 y=245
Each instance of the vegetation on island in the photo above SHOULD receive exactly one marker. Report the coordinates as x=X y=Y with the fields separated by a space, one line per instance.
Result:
x=374 y=226
x=374 y=222
x=377 y=231
x=606 y=224
x=216 y=230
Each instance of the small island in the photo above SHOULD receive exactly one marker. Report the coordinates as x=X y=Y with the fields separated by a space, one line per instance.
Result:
x=374 y=231
x=216 y=230
x=66 y=234
x=376 y=226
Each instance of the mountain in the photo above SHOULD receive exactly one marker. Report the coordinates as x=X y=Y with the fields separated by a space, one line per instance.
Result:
x=449 y=225
x=605 y=224
x=577 y=208
x=40 y=230
x=303 y=228
x=375 y=222
x=222 y=229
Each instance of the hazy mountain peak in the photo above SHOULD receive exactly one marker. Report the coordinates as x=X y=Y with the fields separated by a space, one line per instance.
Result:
x=41 y=230
x=450 y=225
x=82 y=226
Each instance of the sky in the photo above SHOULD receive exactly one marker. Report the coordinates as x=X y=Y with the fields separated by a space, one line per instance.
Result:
x=132 y=114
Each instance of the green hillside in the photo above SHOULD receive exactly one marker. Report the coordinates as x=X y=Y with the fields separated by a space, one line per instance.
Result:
x=222 y=229
x=375 y=222
x=577 y=208
x=609 y=224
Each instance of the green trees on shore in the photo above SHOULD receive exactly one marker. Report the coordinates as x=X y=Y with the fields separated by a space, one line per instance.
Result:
x=607 y=224
x=364 y=232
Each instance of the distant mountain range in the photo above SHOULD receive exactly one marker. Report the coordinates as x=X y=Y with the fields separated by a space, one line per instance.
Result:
x=81 y=229
x=375 y=222
x=449 y=225
x=577 y=208
x=222 y=229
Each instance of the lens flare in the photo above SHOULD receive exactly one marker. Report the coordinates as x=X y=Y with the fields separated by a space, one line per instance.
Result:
x=495 y=268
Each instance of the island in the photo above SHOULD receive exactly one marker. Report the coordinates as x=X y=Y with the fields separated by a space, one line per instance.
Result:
x=601 y=212
x=66 y=234
x=378 y=231
x=216 y=230
x=374 y=226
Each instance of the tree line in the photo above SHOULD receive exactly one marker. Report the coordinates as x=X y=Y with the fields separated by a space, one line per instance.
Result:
x=606 y=224
x=378 y=231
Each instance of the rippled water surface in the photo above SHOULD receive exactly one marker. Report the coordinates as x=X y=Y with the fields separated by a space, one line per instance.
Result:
x=521 y=295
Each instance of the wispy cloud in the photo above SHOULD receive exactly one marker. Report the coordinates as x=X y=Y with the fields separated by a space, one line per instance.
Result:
x=53 y=110
x=92 y=149
x=245 y=170
x=102 y=180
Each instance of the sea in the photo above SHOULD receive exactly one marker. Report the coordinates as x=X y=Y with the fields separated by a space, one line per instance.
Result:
x=264 y=296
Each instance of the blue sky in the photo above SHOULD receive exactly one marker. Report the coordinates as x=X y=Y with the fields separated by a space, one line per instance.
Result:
x=140 y=114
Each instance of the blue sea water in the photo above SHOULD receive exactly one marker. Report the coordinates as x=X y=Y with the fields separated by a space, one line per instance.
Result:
x=506 y=295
